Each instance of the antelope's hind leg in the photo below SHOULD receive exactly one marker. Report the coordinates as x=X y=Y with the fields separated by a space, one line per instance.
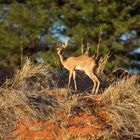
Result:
x=96 y=82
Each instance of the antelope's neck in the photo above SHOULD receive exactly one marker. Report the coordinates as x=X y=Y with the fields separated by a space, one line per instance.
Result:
x=62 y=59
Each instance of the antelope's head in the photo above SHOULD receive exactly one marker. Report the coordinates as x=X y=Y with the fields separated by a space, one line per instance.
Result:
x=61 y=48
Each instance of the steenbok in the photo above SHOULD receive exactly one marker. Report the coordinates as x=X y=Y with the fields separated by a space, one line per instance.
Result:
x=82 y=63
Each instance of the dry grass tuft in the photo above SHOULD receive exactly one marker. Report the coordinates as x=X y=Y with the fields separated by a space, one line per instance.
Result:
x=124 y=99
x=20 y=97
x=33 y=107
x=102 y=64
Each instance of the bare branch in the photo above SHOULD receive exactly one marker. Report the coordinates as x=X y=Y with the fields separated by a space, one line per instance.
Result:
x=99 y=42
x=82 y=46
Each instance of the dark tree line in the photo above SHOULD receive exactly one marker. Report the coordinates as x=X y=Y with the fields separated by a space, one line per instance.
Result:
x=25 y=29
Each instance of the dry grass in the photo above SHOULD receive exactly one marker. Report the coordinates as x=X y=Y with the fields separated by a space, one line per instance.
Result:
x=124 y=100
x=33 y=107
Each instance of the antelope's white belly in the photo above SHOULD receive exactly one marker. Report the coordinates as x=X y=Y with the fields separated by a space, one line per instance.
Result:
x=79 y=68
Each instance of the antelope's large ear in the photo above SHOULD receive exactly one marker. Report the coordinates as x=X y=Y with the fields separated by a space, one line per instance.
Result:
x=65 y=44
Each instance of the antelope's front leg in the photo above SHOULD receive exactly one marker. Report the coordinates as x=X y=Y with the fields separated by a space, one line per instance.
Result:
x=70 y=75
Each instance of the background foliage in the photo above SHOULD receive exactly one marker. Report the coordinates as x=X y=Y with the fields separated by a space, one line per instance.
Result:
x=33 y=28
